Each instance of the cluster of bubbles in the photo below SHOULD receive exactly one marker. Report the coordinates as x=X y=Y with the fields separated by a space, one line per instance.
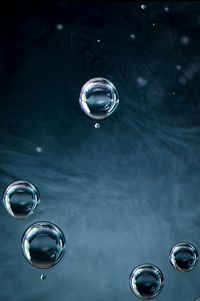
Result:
x=43 y=243
x=147 y=281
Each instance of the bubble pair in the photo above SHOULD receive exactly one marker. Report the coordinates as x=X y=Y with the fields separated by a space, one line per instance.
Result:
x=43 y=243
x=147 y=281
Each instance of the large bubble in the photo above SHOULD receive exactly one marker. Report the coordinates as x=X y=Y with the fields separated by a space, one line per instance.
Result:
x=99 y=98
x=21 y=199
x=146 y=281
x=43 y=245
x=183 y=257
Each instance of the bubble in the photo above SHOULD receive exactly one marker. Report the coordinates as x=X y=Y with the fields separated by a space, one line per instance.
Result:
x=43 y=277
x=21 y=199
x=178 y=67
x=43 y=245
x=59 y=26
x=166 y=8
x=182 y=80
x=154 y=24
x=38 y=149
x=98 y=41
x=173 y=93
x=132 y=36
x=97 y=125
x=146 y=281
x=183 y=257
x=185 y=40
x=99 y=98
x=141 y=81
x=143 y=6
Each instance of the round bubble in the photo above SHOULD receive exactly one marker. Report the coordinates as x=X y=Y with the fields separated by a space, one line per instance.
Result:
x=43 y=245
x=183 y=257
x=43 y=277
x=99 y=98
x=146 y=281
x=21 y=199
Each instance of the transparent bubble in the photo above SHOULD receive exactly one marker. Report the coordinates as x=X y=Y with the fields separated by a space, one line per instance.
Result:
x=43 y=245
x=99 y=98
x=43 y=277
x=143 y=6
x=146 y=281
x=21 y=199
x=183 y=257
x=97 y=125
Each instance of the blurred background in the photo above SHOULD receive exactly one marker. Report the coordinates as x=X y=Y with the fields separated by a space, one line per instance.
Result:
x=125 y=193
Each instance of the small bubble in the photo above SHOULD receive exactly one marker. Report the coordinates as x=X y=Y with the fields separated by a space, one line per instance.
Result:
x=21 y=199
x=38 y=149
x=98 y=41
x=59 y=26
x=166 y=8
x=132 y=36
x=183 y=257
x=143 y=6
x=97 y=125
x=185 y=40
x=178 y=67
x=141 y=81
x=173 y=93
x=43 y=245
x=146 y=281
x=43 y=277
x=154 y=24
x=182 y=80
x=98 y=98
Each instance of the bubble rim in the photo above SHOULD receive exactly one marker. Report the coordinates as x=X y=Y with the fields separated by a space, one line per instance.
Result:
x=149 y=267
x=64 y=244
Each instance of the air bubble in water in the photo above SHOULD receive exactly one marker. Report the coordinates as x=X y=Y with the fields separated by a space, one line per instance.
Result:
x=146 y=281
x=21 y=199
x=99 y=98
x=43 y=245
x=43 y=277
x=143 y=6
x=183 y=257
x=97 y=125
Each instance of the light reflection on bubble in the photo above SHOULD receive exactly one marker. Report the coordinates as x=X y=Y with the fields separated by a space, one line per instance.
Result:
x=43 y=245
x=99 y=98
x=146 y=281
x=183 y=257
x=21 y=199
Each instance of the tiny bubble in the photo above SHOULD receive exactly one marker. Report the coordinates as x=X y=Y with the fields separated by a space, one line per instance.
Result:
x=97 y=125
x=38 y=149
x=185 y=40
x=173 y=93
x=182 y=80
x=143 y=6
x=166 y=8
x=142 y=82
x=59 y=27
x=132 y=36
x=43 y=277
x=154 y=24
x=98 y=41
x=178 y=67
